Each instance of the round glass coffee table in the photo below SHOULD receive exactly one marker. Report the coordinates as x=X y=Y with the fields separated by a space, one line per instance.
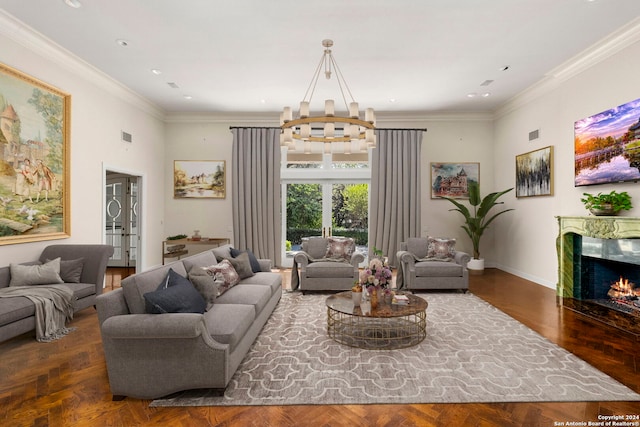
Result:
x=389 y=326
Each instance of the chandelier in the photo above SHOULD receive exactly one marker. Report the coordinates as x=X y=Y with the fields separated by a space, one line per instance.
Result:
x=346 y=133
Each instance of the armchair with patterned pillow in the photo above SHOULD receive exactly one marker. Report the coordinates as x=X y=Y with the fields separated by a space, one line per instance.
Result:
x=432 y=263
x=326 y=264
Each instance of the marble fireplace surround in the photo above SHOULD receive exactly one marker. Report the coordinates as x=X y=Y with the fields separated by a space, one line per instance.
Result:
x=600 y=227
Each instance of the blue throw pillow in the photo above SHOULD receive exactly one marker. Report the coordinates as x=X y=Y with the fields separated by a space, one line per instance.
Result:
x=255 y=265
x=176 y=294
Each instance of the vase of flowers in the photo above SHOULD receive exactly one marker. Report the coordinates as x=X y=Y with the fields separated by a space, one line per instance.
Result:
x=375 y=280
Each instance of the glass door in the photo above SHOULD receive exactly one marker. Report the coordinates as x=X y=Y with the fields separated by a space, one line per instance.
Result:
x=121 y=217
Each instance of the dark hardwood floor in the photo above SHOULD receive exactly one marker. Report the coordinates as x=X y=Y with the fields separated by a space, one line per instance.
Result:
x=65 y=383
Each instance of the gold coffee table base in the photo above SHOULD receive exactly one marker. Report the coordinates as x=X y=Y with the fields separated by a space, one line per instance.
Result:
x=387 y=327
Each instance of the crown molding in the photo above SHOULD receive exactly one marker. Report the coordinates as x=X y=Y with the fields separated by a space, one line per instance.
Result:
x=20 y=33
x=620 y=39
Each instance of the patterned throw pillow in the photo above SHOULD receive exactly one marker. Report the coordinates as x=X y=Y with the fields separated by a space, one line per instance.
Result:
x=340 y=248
x=223 y=271
x=441 y=249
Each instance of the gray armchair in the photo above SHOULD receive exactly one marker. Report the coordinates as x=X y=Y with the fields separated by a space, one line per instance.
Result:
x=431 y=263
x=326 y=264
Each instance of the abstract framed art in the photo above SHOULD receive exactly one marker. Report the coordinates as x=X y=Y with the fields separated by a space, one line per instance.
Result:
x=34 y=159
x=452 y=179
x=534 y=173
x=199 y=179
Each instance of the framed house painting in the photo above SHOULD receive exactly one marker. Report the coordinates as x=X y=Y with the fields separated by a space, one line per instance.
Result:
x=34 y=159
x=199 y=179
x=534 y=173
x=452 y=179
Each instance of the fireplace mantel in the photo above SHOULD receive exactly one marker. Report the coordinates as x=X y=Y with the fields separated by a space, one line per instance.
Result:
x=600 y=227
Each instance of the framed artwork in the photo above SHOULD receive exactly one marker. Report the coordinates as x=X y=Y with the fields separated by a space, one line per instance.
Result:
x=452 y=179
x=34 y=159
x=534 y=173
x=199 y=179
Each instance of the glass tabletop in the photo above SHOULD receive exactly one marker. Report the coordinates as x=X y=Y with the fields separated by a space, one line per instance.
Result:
x=343 y=303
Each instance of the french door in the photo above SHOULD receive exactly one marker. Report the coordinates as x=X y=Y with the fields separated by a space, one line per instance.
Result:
x=121 y=218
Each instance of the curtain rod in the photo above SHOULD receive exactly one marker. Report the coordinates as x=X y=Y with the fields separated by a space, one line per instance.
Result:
x=272 y=127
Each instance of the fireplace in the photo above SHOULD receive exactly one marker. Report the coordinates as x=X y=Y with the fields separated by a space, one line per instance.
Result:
x=599 y=269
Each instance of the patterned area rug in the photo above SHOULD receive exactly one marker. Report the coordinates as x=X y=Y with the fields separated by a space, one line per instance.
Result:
x=473 y=352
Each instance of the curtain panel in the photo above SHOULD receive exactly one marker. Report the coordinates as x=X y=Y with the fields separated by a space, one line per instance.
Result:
x=395 y=190
x=256 y=191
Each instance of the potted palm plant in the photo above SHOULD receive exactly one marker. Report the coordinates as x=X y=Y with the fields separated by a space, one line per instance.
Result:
x=477 y=219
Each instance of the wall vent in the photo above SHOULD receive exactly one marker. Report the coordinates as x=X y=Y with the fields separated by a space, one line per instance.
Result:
x=534 y=134
x=126 y=137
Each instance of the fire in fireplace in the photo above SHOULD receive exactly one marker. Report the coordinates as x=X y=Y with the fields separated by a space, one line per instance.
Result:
x=624 y=292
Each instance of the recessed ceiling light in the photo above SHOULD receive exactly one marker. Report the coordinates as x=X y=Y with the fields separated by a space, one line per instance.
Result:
x=73 y=3
x=263 y=101
x=156 y=71
x=188 y=97
x=486 y=94
x=122 y=42
x=392 y=100
x=472 y=95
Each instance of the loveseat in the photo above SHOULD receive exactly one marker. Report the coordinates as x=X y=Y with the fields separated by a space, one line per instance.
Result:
x=82 y=269
x=153 y=355
x=326 y=264
x=428 y=263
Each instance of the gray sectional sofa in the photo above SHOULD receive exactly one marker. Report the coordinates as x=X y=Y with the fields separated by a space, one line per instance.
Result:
x=17 y=314
x=153 y=355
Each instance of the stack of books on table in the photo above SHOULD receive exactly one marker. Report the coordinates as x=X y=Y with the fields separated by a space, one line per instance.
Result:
x=400 y=300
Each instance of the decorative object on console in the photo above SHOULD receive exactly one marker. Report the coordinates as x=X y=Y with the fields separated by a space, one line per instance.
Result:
x=607 y=146
x=534 y=173
x=475 y=224
x=453 y=179
x=608 y=203
x=352 y=133
x=36 y=202
x=204 y=179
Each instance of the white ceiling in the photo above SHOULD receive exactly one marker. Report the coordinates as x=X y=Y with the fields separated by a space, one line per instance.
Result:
x=260 y=55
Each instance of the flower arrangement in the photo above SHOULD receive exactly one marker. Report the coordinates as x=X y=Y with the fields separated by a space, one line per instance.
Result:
x=378 y=274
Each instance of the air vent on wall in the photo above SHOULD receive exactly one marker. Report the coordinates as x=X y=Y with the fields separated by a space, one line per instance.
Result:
x=126 y=137
x=534 y=134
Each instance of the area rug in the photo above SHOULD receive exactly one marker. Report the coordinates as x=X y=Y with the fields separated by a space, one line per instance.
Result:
x=473 y=352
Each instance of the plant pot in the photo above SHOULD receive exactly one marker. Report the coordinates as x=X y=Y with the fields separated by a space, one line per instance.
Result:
x=603 y=212
x=356 y=298
x=476 y=266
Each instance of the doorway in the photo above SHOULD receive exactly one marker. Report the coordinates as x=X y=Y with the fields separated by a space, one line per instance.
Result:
x=121 y=213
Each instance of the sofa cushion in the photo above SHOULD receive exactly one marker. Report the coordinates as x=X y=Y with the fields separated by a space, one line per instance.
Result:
x=417 y=246
x=134 y=287
x=14 y=309
x=205 y=284
x=271 y=280
x=316 y=247
x=329 y=269
x=39 y=274
x=438 y=269
x=199 y=260
x=82 y=290
x=255 y=264
x=242 y=265
x=223 y=271
x=441 y=249
x=71 y=270
x=257 y=296
x=222 y=252
x=229 y=323
x=175 y=294
x=340 y=248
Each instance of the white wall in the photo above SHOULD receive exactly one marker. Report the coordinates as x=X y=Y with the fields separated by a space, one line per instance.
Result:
x=527 y=238
x=100 y=109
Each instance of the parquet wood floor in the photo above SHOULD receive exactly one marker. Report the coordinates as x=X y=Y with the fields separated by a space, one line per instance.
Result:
x=64 y=383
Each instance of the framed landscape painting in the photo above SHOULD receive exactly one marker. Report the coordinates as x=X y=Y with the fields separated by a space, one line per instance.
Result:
x=452 y=179
x=534 y=173
x=199 y=179
x=34 y=159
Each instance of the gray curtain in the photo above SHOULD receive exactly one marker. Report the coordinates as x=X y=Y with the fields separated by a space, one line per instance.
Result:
x=395 y=190
x=256 y=191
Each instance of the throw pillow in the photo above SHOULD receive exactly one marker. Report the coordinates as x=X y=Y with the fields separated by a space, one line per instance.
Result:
x=441 y=249
x=224 y=272
x=71 y=270
x=175 y=294
x=255 y=264
x=242 y=265
x=206 y=285
x=340 y=248
x=38 y=274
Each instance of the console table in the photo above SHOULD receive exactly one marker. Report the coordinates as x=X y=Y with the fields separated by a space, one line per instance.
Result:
x=215 y=242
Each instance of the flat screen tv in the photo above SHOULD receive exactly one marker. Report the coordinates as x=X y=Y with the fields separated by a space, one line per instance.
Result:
x=607 y=146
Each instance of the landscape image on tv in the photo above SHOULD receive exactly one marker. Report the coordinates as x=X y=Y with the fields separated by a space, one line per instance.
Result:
x=607 y=146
